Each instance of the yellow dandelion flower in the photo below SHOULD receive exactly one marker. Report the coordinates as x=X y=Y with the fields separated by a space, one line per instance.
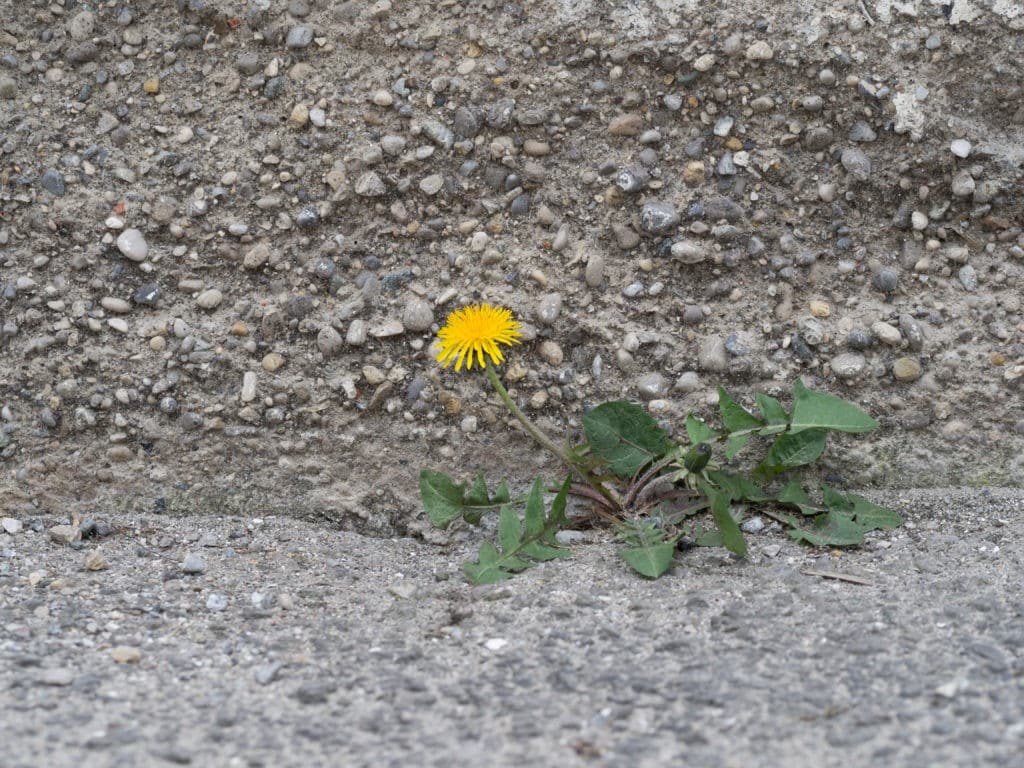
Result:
x=477 y=329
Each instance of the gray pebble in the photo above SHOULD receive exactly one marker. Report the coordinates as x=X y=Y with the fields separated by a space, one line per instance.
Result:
x=856 y=163
x=53 y=182
x=549 y=307
x=217 y=602
x=132 y=245
x=652 y=386
x=968 y=278
x=193 y=564
x=329 y=341
x=658 y=218
x=885 y=280
x=713 y=355
x=863 y=132
x=418 y=315
x=848 y=365
x=299 y=36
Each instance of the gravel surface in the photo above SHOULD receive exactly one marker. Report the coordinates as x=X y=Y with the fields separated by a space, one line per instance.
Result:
x=229 y=230
x=235 y=641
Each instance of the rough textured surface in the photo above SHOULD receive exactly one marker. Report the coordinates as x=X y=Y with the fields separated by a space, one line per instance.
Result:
x=230 y=229
x=297 y=644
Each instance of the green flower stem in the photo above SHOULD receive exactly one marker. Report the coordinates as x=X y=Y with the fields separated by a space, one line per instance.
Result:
x=544 y=440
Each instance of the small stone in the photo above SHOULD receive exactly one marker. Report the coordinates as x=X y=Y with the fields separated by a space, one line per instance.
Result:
x=387 y=329
x=963 y=184
x=918 y=221
x=210 y=298
x=315 y=691
x=906 y=369
x=693 y=173
x=8 y=88
x=820 y=309
x=256 y=256
x=961 y=148
x=704 y=63
x=432 y=184
x=370 y=185
x=299 y=36
x=151 y=86
x=658 y=218
x=689 y=251
x=549 y=307
x=147 y=295
x=856 y=163
x=495 y=643
x=64 y=534
x=356 y=334
x=886 y=333
x=126 y=654
x=265 y=674
x=217 y=602
x=594 y=273
x=132 y=245
x=626 y=125
x=272 y=362
x=652 y=386
x=329 y=341
x=760 y=51
x=418 y=315
x=94 y=561
x=550 y=352
x=968 y=277
x=753 y=525
x=886 y=280
x=862 y=132
x=11 y=525
x=193 y=564
x=56 y=677
x=848 y=365
x=248 y=392
x=299 y=117
x=114 y=304
x=713 y=355
x=53 y=182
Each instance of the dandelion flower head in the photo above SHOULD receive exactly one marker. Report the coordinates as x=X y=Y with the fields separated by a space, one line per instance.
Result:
x=478 y=330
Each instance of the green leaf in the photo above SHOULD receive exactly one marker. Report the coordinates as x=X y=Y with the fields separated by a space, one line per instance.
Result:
x=486 y=570
x=533 y=539
x=477 y=495
x=869 y=513
x=843 y=519
x=794 y=450
x=533 y=515
x=735 y=444
x=772 y=410
x=508 y=530
x=831 y=529
x=819 y=410
x=709 y=539
x=442 y=498
x=794 y=495
x=697 y=431
x=543 y=552
x=737 y=487
x=835 y=500
x=624 y=435
x=650 y=560
x=732 y=536
x=735 y=417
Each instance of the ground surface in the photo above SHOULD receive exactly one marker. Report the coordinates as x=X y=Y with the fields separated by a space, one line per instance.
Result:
x=229 y=231
x=301 y=645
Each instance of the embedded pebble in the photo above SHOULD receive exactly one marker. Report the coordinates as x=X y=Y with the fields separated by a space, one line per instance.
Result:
x=132 y=245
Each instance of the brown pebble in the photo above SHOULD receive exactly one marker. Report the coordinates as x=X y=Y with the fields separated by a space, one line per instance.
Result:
x=151 y=86
x=626 y=125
